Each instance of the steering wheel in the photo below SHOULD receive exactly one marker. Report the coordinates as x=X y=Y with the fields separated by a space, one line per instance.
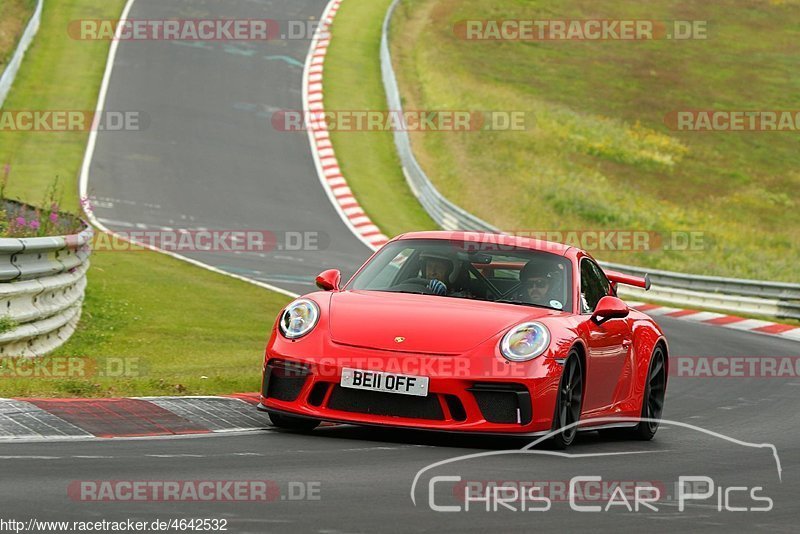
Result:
x=513 y=292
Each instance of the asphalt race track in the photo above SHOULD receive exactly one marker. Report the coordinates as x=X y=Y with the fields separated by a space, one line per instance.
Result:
x=364 y=476
x=210 y=159
x=207 y=155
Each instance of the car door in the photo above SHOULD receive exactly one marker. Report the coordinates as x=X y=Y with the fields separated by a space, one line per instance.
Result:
x=609 y=343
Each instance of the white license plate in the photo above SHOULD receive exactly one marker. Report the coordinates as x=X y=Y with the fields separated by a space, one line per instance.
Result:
x=385 y=382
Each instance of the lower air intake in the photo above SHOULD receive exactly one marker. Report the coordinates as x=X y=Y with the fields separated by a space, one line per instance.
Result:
x=391 y=404
x=503 y=403
x=284 y=380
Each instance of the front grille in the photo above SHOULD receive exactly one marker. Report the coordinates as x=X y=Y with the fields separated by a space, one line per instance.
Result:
x=284 y=380
x=392 y=404
x=503 y=403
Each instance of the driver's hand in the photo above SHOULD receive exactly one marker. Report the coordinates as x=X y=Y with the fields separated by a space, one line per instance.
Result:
x=437 y=287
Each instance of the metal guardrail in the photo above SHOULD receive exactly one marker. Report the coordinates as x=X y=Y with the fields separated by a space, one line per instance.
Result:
x=715 y=301
x=42 y=279
x=775 y=299
x=445 y=213
x=42 y=283
x=10 y=72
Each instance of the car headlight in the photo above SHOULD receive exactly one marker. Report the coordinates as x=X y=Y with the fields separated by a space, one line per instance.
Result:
x=525 y=342
x=299 y=318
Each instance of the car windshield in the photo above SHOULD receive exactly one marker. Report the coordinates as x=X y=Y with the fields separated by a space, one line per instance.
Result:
x=456 y=269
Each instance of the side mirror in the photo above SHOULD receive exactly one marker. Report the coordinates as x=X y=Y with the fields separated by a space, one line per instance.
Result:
x=609 y=308
x=329 y=280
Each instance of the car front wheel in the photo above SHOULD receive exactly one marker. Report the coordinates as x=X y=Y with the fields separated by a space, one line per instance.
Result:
x=654 y=393
x=569 y=402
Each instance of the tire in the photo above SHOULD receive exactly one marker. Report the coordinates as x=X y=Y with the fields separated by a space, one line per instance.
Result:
x=654 y=393
x=293 y=423
x=568 y=402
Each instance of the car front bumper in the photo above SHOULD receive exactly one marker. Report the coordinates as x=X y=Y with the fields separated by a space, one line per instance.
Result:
x=474 y=396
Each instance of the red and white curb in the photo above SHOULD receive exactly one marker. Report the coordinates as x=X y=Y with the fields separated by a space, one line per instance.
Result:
x=720 y=319
x=69 y=419
x=328 y=170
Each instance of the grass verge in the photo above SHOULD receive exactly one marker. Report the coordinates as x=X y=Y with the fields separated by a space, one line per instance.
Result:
x=59 y=73
x=368 y=160
x=170 y=323
x=157 y=326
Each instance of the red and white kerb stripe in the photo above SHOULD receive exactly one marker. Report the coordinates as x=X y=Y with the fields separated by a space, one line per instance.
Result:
x=330 y=173
x=720 y=319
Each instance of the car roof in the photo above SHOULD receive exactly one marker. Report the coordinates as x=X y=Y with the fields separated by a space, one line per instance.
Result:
x=490 y=238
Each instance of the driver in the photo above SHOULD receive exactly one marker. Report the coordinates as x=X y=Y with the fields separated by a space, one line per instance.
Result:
x=437 y=268
x=441 y=268
x=536 y=282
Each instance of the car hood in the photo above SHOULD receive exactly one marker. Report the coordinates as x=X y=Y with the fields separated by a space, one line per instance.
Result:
x=428 y=324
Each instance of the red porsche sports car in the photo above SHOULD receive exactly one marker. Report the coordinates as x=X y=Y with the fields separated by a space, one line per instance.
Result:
x=469 y=332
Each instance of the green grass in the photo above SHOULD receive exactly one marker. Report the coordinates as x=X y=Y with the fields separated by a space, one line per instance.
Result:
x=14 y=16
x=368 y=160
x=600 y=156
x=171 y=322
x=58 y=73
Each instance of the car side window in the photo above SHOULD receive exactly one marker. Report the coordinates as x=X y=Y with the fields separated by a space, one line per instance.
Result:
x=603 y=279
x=594 y=286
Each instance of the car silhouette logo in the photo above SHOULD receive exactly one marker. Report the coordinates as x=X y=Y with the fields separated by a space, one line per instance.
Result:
x=399 y=339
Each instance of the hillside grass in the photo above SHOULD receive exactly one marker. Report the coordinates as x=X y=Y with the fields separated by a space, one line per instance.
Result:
x=600 y=155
